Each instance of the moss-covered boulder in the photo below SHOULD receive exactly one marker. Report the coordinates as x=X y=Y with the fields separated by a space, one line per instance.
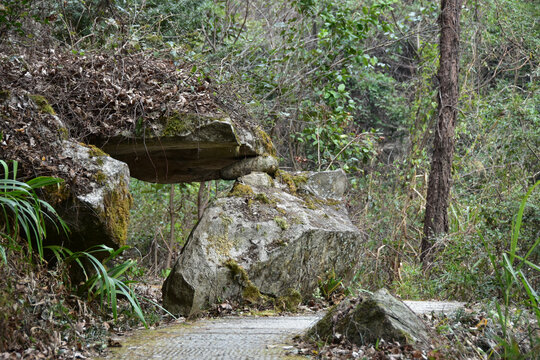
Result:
x=369 y=318
x=98 y=213
x=94 y=198
x=263 y=239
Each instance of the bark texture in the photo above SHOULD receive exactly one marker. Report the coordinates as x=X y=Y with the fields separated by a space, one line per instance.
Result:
x=440 y=176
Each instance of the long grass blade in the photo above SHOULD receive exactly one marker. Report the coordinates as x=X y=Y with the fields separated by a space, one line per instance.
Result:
x=518 y=221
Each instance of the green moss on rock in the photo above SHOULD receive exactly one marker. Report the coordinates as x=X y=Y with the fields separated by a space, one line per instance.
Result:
x=266 y=142
x=250 y=292
x=117 y=203
x=42 y=104
x=100 y=177
x=282 y=223
x=263 y=198
x=179 y=123
x=241 y=190
x=64 y=134
x=300 y=179
x=289 y=301
x=287 y=179
x=95 y=151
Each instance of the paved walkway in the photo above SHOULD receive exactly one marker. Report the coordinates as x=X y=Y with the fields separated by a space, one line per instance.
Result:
x=233 y=338
x=224 y=338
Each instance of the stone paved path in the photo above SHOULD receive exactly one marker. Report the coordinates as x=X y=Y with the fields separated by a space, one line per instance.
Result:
x=233 y=337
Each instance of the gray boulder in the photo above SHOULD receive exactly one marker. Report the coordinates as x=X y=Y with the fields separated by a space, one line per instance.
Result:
x=263 y=239
x=368 y=318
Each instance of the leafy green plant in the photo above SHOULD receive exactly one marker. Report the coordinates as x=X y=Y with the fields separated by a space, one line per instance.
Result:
x=330 y=284
x=513 y=282
x=105 y=284
x=22 y=212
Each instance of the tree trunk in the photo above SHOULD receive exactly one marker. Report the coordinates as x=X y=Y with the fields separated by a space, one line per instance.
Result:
x=172 y=215
x=202 y=200
x=440 y=176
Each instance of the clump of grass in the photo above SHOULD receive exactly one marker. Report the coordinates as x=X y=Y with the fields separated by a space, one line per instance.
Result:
x=514 y=284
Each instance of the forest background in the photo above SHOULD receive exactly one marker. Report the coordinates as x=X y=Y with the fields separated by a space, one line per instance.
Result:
x=352 y=85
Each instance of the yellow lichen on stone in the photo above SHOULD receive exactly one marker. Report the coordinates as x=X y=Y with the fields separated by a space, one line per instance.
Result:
x=42 y=104
x=220 y=244
x=117 y=203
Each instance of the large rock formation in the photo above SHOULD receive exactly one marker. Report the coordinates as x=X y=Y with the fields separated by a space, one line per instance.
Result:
x=271 y=237
x=369 y=318
x=166 y=122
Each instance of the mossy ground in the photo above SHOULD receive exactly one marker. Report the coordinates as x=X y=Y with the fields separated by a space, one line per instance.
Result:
x=57 y=193
x=4 y=94
x=290 y=301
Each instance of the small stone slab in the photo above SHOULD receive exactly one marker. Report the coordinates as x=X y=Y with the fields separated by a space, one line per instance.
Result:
x=427 y=307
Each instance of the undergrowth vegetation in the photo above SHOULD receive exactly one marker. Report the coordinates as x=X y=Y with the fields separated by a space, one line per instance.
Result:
x=24 y=265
